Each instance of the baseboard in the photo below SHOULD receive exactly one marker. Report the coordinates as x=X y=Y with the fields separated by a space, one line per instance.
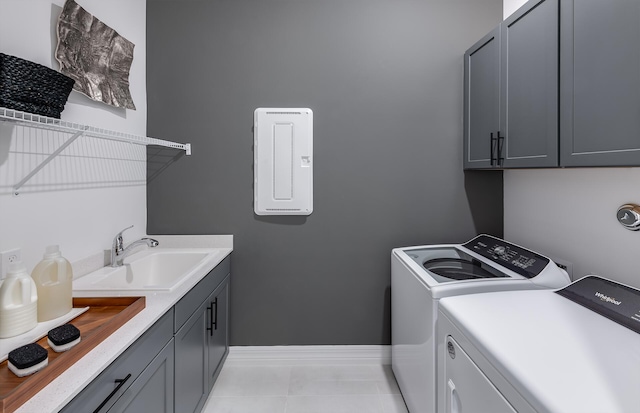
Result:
x=299 y=355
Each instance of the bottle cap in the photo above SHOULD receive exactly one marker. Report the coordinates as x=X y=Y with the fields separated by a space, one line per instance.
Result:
x=52 y=251
x=16 y=268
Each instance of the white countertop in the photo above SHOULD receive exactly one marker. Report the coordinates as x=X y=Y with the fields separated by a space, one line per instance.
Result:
x=66 y=386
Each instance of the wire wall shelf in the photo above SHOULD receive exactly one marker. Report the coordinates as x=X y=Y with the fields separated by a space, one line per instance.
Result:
x=77 y=130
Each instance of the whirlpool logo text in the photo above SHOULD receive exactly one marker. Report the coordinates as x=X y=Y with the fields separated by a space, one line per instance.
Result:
x=607 y=299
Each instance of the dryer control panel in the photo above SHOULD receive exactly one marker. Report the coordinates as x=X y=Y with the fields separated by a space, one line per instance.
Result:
x=517 y=259
x=617 y=302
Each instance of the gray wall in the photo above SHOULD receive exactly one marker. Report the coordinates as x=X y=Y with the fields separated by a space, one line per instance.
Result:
x=384 y=79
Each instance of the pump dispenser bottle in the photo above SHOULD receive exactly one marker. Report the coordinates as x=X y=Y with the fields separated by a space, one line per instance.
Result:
x=53 y=277
x=18 y=302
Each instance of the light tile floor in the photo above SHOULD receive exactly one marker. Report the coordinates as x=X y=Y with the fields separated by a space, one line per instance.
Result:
x=306 y=389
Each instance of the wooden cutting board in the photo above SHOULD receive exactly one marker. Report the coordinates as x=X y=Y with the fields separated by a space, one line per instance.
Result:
x=105 y=315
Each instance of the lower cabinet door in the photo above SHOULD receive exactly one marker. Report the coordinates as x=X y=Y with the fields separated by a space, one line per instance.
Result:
x=152 y=391
x=218 y=337
x=191 y=358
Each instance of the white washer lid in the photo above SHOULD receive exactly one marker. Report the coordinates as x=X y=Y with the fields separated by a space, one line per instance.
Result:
x=560 y=356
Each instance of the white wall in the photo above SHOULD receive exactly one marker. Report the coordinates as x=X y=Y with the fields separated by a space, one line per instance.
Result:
x=96 y=187
x=509 y=6
x=570 y=214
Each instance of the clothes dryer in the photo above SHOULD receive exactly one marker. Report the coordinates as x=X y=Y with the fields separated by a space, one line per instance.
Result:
x=576 y=350
x=422 y=275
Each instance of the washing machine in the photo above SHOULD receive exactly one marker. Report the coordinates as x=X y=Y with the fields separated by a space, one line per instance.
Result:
x=575 y=350
x=422 y=275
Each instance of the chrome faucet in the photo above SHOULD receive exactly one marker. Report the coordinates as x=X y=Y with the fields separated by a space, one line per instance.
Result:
x=119 y=252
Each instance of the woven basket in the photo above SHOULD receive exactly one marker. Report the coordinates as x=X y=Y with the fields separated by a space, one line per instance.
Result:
x=31 y=87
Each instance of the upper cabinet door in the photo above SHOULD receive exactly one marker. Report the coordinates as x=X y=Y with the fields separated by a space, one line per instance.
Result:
x=600 y=78
x=529 y=86
x=482 y=101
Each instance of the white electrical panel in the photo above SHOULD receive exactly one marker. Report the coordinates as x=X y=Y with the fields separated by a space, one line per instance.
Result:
x=283 y=161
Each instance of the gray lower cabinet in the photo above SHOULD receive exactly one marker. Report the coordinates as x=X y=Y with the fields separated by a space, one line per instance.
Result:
x=131 y=372
x=201 y=334
x=201 y=347
x=511 y=92
x=152 y=391
x=191 y=363
x=218 y=337
x=600 y=83
x=173 y=365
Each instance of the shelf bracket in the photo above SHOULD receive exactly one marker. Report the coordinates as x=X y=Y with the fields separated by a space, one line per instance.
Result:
x=57 y=152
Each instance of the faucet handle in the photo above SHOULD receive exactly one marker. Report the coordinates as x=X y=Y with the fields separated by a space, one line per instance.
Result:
x=117 y=241
x=120 y=233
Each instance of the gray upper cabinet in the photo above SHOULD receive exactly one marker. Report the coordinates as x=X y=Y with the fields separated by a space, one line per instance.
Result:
x=600 y=83
x=529 y=87
x=482 y=101
x=511 y=92
x=568 y=87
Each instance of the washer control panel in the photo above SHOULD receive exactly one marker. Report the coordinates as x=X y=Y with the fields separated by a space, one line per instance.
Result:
x=517 y=259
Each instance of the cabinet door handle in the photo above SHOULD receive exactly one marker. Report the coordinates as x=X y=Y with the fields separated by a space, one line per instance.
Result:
x=215 y=320
x=120 y=383
x=211 y=324
x=492 y=148
x=499 y=156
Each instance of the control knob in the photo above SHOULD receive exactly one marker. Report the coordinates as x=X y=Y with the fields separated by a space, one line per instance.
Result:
x=500 y=250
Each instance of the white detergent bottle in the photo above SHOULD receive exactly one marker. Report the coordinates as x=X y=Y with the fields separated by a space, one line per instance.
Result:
x=18 y=302
x=53 y=277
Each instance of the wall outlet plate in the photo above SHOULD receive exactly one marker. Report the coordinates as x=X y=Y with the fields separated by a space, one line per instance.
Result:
x=6 y=258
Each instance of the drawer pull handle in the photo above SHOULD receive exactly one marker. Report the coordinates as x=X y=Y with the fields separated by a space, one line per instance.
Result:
x=120 y=383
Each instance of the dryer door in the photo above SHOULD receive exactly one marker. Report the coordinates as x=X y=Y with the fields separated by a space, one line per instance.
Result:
x=467 y=389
